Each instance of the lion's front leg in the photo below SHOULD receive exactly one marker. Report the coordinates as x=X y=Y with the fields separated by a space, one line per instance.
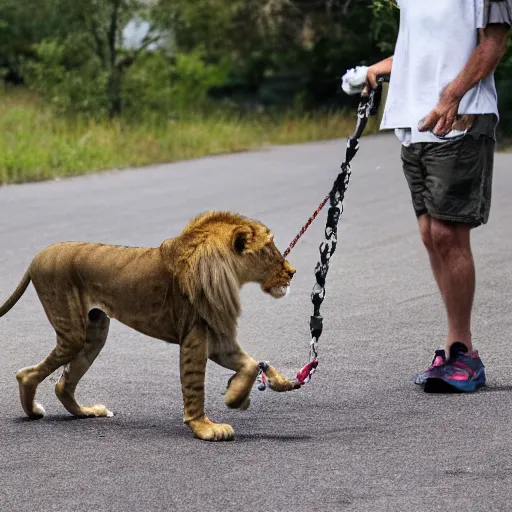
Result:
x=193 y=357
x=240 y=384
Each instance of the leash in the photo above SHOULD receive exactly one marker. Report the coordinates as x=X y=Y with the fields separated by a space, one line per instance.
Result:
x=368 y=106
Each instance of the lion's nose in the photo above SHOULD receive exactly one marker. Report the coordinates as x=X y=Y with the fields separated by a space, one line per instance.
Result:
x=291 y=272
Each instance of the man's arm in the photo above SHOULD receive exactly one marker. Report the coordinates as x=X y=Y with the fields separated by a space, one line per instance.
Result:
x=381 y=68
x=483 y=61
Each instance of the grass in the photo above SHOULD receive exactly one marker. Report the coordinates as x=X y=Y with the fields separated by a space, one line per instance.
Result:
x=36 y=144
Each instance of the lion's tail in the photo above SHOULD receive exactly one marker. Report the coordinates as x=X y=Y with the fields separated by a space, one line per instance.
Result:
x=15 y=297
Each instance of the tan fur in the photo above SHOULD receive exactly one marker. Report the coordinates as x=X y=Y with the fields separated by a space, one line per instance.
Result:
x=186 y=291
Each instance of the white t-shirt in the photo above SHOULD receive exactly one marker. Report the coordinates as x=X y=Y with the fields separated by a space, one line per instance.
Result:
x=435 y=40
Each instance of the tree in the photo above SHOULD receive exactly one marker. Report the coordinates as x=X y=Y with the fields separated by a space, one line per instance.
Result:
x=88 y=46
x=282 y=51
x=105 y=21
x=306 y=43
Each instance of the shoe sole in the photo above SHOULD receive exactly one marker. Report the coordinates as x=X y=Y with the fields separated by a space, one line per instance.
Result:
x=421 y=380
x=443 y=386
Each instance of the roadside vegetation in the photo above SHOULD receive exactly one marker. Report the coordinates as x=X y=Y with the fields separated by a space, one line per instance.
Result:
x=38 y=144
x=100 y=84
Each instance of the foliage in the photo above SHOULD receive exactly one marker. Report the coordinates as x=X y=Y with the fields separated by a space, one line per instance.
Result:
x=254 y=54
x=385 y=24
x=503 y=78
x=154 y=83
x=37 y=144
x=276 y=52
x=81 y=65
x=23 y=23
x=69 y=75
x=282 y=51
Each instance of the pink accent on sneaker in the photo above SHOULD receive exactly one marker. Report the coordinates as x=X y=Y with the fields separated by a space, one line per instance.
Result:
x=463 y=366
x=459 y=376
x=438 y=361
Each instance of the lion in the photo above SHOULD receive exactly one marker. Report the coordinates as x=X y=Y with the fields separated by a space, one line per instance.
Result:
x=186 y=291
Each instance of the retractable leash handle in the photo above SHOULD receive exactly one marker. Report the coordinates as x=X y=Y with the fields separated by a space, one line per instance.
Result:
x=368 y=106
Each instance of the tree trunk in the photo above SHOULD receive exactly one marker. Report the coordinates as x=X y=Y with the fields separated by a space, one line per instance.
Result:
x=114 y=84
x=115 y=104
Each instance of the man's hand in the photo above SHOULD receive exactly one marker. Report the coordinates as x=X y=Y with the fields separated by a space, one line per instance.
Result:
x=381 y=68
x=371 y=77
x=482 y=62
x=440 y=120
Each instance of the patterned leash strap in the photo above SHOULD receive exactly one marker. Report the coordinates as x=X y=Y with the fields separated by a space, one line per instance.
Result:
x=368 y=106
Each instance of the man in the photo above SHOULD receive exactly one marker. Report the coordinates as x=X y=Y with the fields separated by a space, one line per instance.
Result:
x=442 y=104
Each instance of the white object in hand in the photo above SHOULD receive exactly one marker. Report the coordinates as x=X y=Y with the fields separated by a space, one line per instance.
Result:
x=354 y=80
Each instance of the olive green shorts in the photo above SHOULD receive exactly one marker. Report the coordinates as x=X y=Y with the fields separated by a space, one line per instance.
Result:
x=451 y=181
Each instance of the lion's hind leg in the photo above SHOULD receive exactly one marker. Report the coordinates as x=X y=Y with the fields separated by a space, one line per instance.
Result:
x=27 y=383
x=70 y=341
x=96 y=335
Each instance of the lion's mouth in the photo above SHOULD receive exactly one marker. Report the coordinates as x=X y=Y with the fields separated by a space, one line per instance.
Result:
x=279 y=291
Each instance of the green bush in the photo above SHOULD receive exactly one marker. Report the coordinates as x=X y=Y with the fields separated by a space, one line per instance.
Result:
x=159 y=86
x=154 y=85
x=69 y=76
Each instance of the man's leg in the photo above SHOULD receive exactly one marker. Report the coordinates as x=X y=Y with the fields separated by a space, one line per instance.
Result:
x=415 y=172
x=450 y=187
x=460 y=368
x=449 y=249
x=424 y=224
x=457 y=197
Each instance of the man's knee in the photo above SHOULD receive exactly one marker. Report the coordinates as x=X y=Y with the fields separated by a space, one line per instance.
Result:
x=447 y=237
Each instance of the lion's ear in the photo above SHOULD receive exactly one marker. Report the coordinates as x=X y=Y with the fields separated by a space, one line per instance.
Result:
x=241 y=239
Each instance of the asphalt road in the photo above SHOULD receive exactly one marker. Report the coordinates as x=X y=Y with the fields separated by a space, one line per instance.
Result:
x=360 y=437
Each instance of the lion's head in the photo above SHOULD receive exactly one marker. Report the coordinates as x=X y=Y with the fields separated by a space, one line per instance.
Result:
x=259 y=260
x=217 y=253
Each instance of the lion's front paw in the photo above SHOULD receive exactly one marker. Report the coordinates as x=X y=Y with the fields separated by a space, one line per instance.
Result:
x=209 y=431
x=278 y=383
